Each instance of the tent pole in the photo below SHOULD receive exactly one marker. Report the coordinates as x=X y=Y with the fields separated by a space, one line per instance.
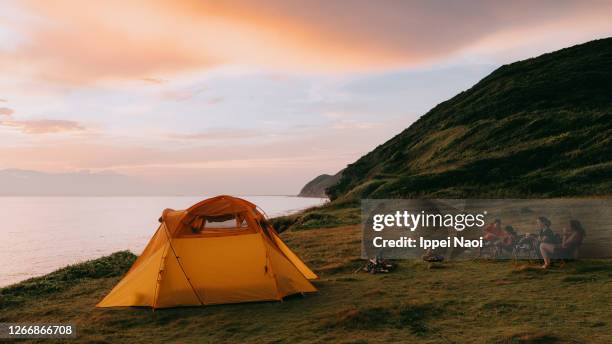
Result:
x=181 y=266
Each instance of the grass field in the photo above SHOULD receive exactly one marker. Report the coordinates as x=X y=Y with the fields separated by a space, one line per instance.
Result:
x=457 y=302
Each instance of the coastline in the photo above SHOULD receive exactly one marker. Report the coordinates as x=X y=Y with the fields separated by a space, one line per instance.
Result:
x=91 y=227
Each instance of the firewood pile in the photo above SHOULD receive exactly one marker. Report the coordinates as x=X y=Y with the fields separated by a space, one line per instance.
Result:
x=378 y=265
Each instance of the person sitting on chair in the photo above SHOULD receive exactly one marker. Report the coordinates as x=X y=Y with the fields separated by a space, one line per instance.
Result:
x=573 y=236
x=494 y=232
x=511 y=236
x=495 y=237
x=548 y=240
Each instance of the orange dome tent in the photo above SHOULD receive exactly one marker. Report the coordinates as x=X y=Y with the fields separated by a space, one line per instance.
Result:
x=220 y=250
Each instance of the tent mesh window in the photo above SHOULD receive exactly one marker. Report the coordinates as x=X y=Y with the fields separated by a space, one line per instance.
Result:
x=216 y=224
x=228 y=221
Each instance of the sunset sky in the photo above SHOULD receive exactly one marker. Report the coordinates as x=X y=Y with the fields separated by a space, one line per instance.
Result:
x=248 y=97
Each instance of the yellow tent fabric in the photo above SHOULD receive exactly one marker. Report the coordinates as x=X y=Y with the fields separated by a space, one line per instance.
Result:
x=220 y=250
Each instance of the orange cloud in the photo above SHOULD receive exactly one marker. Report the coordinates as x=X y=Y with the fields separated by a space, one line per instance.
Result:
x=154 y=80
x=76 y=42
x=43 y=126
x=218 y=134
x=82 y=42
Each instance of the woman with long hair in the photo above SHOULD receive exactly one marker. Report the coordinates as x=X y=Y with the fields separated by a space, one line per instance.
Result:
x=573 y=236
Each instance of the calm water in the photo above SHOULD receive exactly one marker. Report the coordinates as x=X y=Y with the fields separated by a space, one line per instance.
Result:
x=41 y=234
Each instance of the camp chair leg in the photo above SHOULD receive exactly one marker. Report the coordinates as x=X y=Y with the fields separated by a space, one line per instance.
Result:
x=515 y=255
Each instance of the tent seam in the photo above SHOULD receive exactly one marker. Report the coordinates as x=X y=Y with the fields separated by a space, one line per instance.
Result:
x=159 y=276
x=269 y=263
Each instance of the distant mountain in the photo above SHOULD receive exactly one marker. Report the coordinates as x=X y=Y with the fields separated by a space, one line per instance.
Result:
x=15 y=182
x=317 y=186
x=541 y=127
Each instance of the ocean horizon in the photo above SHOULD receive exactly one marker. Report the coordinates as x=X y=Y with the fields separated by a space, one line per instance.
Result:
x=46 y=233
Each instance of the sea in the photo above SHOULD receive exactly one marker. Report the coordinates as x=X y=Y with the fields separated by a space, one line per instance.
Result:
x=41 y=234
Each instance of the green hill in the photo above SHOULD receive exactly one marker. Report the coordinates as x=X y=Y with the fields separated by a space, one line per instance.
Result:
x=535 y=128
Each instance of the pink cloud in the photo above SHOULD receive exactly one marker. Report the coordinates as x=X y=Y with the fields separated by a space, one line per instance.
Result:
x=43 y=126
x=218 y=134
x=182 y=95
x=4 y=111
x=286 y=161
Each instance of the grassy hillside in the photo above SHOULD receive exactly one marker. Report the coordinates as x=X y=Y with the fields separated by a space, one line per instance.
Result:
x=332 y=214
x=466 y=302
x=540 y=127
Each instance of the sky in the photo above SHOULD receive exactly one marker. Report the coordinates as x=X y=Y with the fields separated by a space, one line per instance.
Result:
x=247 y=97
